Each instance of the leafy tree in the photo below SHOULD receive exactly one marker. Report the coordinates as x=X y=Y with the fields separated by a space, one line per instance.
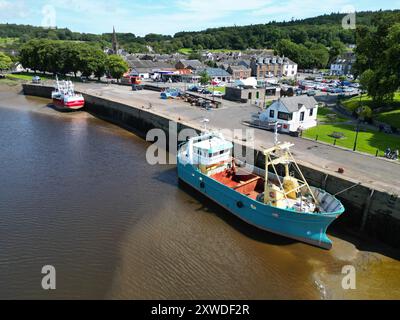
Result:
x=320 y=55
x=116 y=66
x=92 y=60
x=204 y=78
x=336 y=49
x=195 y=55
x=5 y=61
x=378 y=56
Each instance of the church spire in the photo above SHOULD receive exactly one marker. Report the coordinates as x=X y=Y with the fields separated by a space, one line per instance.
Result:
x=114 y=42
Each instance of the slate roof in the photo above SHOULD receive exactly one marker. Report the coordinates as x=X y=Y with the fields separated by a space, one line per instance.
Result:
x=148 y=66
x=216 y=72
x=293 y=104
x=195 y=64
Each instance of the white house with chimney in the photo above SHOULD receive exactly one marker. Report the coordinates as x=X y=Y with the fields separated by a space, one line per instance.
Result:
x=292 y=113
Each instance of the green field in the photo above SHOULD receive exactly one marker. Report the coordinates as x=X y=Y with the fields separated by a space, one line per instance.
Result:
x=26 y=76
x=323 y=116
x=186 y=51
x=4 y=42
x=369 y=141
x=219 y=89
x=391 y=117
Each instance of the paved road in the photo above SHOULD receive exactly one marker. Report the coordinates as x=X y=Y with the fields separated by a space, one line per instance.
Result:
x=380 y=173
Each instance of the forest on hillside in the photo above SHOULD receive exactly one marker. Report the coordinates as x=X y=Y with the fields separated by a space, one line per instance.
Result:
x=323 y=30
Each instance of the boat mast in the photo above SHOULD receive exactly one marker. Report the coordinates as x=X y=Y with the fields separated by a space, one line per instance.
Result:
x=284 y=159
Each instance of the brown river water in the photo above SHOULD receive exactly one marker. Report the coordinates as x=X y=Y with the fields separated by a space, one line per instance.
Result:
x=77 y=193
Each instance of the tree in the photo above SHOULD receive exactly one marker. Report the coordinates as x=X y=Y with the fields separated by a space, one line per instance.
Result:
x=378 y=56
x=92 y=60
x=337 y=49
x=116 y=66
x=195 y=55
x=5 y=62
x=320 y=55
x=204 y=78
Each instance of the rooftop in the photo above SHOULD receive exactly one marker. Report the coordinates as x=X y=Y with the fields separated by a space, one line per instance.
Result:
x=293 y=104
x=214 y=144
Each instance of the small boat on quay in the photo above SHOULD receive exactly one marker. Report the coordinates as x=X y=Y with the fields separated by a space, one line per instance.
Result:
x=284 y=205
x=64 y=96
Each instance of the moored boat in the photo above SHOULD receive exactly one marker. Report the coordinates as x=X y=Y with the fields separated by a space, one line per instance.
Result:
x=64 y=96
x=284 y=205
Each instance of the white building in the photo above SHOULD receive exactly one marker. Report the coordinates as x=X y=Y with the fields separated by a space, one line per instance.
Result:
x=343 y=65
x=293 y=113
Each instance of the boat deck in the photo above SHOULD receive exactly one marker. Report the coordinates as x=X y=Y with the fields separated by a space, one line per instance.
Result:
x=250 y=185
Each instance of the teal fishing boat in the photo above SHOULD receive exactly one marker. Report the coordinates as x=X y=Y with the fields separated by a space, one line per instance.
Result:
x=286 y=205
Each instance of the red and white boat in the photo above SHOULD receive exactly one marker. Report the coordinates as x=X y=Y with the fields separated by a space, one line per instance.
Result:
x=64 y=96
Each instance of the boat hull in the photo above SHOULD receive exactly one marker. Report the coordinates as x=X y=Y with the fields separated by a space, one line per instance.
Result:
x=69 y=105
x=305 y=227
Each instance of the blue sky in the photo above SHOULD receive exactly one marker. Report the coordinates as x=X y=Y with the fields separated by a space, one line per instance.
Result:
x=169 y=16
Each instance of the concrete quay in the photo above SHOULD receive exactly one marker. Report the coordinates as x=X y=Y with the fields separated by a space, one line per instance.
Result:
x=373 y=207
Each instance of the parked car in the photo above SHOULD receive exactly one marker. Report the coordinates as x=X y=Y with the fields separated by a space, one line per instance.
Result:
x=194 y=89
x=335 y=90
x=205 y=91
x=311 y=93
x=36 y=79
x=217 y=94
x=298 y=92
x=2 y=76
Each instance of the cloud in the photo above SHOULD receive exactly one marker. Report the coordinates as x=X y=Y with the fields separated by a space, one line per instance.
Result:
x=300 y=9
x=13 y=9
x=170 y=16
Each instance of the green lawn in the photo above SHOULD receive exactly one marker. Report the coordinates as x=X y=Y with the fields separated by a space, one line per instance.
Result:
x=323 y=116
x=220 y=89
x=7 y=41
x=368 y=140
x=26 y=76
x=391 y=117
x=185 y=51
x=353 y=103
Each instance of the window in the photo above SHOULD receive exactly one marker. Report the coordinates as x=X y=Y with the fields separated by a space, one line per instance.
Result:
x=250 y=96
x=258 y=95
x=311 y=112
x=284 y=116
x=302 y=116
x=272 y=114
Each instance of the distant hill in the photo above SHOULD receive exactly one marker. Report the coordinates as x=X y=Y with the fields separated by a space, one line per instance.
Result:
x=323 y=30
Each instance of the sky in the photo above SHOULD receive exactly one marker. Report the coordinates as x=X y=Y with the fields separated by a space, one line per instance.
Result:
x=170 y=16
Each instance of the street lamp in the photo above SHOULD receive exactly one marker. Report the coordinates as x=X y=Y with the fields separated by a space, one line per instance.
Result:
x=357 y=131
